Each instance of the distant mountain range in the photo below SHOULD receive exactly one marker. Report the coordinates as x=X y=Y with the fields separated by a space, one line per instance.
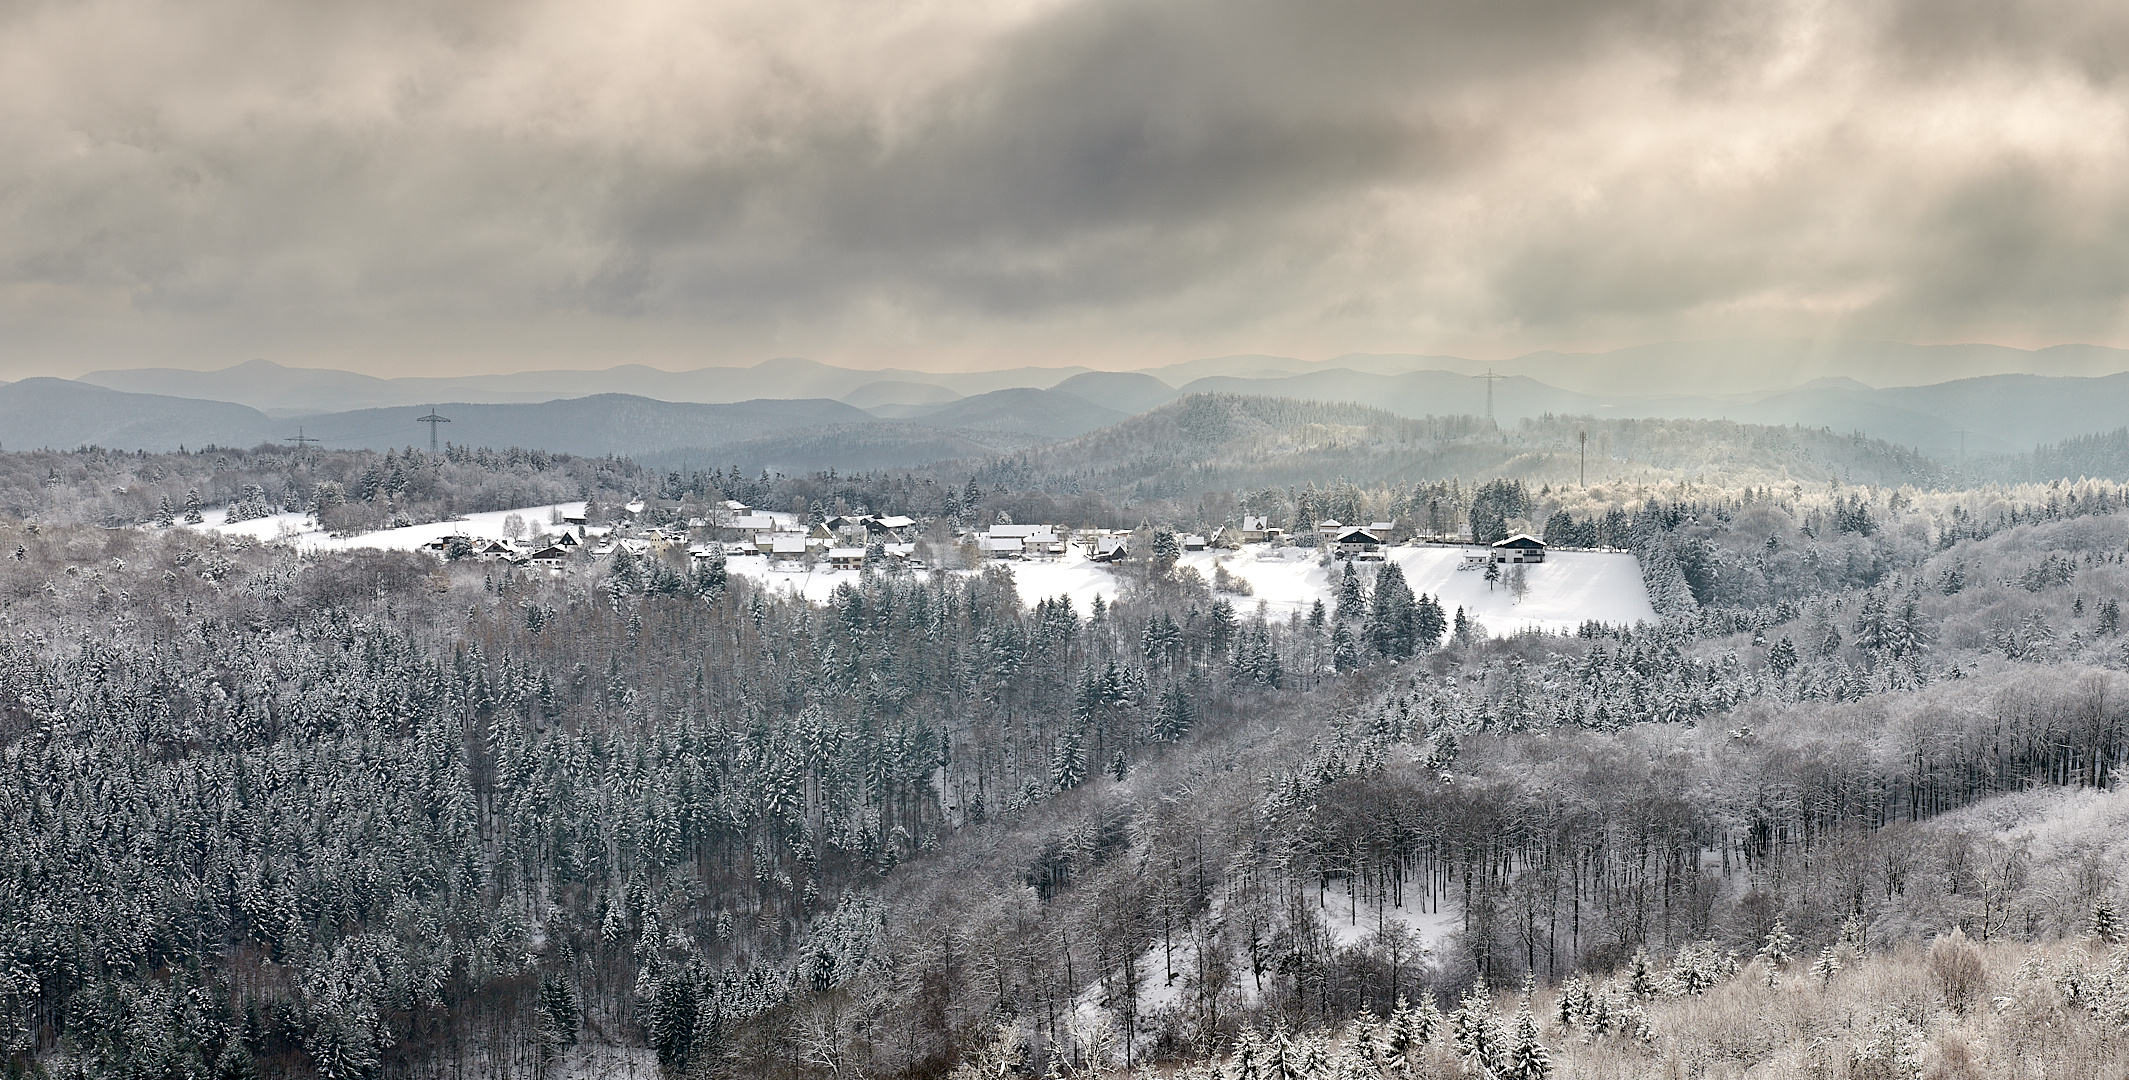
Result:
x=791 y=413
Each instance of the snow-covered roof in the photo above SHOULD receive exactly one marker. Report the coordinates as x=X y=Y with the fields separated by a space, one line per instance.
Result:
x=896 y=521
x=1520 y=540
x=787 y=544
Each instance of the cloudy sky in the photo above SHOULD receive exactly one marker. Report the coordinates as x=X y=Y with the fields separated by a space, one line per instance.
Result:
x=411 y=187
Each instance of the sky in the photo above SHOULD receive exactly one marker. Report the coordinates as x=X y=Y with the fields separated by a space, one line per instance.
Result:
x=418 y=188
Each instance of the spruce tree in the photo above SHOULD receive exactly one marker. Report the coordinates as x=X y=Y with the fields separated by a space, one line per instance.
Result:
x=1527 y=1058
x=1351 y=597
x=1392 y=626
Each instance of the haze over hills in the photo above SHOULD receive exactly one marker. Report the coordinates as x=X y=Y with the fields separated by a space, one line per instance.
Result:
x=1658 y=370
x=1229 y=442
x=787 y=416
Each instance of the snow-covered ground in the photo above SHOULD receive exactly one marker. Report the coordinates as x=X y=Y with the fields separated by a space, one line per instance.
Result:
x=1566 y=589
x=299 y=530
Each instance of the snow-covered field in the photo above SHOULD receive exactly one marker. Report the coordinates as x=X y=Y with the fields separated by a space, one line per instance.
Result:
x=299 y=530
x=1566 y=589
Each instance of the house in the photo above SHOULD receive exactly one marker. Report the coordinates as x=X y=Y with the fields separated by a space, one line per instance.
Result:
x=550 y=558
x=994 y=546
x=1358 y=542
x=1044 y=543
x=786 y=546
x=1256 y=529
x=893 y=528
x=1193 y=542
x=751 y=523
x=847 y=558
x=735 y=508
x=1109 y=549
x=1329 y=528
x=1384 y=529
x=568 y=540
x=492 y=551
x=1520 y=548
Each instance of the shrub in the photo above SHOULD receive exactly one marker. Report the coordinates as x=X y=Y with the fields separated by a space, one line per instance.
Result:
x=1957 y=965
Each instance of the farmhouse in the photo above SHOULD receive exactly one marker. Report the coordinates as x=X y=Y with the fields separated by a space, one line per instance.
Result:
x=1109 y=549
x=847 y=558
x=1362 y=543
x=892 y=529
x=1520 y=548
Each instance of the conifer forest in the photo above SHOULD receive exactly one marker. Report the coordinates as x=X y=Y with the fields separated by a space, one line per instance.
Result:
x=1848 y=806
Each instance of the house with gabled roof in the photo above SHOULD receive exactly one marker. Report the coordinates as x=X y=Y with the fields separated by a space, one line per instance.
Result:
x=1520 y=548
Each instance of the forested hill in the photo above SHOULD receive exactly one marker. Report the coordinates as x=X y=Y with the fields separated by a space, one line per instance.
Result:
x=2104 y=456
x=1211 y=442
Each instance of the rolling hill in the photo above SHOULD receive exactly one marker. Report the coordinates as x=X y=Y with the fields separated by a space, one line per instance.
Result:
x=1216 y=442
x=63 y=414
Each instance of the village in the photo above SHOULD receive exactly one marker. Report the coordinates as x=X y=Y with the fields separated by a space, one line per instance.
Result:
x=1513 y=584
x=858 y=542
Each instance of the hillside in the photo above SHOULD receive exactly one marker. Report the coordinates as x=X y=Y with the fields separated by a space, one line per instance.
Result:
x=62 y=414
x=600 y=424
x=1046 y=414
x=1227 y=442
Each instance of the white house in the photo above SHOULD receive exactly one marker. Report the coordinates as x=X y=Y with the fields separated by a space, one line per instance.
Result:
x=1520 y=548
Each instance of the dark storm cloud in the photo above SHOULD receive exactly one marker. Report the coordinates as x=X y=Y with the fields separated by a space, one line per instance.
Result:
x=392 y=184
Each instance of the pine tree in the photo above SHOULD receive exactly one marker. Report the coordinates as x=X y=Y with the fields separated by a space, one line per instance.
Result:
x=1782 y=658
x=2106 y=926
x=165 y=514
x=560 y=1017
x=1826 y=966
x=1392 y=627
x=672 y=1028
x=1429 y=624
x=1172 y=720
x=1068 y=762
x=1774 y=950
x=1641 y=977
x=1527 y=1058
x=1351 y=598
x=194 y=513
x=1345 y=651
x=1476 y=1032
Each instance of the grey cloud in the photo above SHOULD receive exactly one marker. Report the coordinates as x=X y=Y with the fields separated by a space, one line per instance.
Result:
x=706 y=182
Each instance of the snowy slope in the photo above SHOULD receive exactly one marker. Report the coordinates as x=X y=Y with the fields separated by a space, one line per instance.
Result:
x=297 y=529
x=1565 y=590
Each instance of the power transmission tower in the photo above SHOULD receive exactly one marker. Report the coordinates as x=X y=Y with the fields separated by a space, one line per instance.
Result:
x=432 y=420
x=300 y=439
x=1585 y=459
x=1490 y=378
